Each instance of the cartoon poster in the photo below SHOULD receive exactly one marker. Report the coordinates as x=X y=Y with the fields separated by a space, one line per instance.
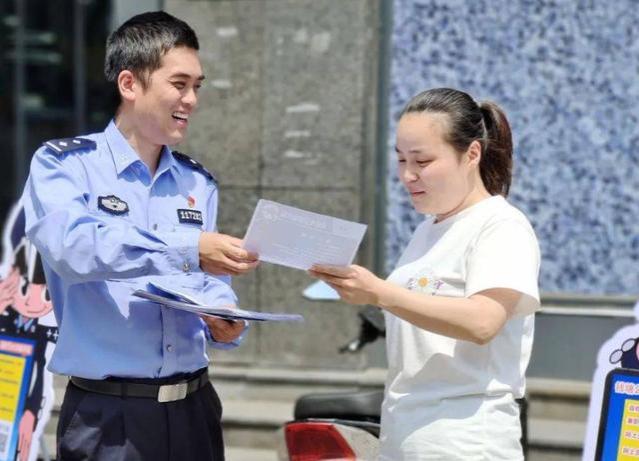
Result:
x=618 y=437
x=613 y=414
x=26 y=318
x=16 y=359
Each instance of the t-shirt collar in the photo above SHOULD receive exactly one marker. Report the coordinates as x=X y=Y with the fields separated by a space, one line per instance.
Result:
x=466 y=211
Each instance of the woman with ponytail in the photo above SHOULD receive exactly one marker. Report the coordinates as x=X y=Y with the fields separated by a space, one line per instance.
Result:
x=459 y=304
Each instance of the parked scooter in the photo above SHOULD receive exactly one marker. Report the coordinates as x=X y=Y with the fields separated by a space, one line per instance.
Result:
x=338 y=426
x=345 y=426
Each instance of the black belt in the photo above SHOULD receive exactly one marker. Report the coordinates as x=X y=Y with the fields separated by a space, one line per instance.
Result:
x=161 y=392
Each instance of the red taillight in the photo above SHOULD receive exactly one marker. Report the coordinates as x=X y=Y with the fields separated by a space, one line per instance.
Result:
x=316 y=442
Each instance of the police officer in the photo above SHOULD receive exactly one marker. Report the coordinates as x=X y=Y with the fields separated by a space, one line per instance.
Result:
x=112 y=211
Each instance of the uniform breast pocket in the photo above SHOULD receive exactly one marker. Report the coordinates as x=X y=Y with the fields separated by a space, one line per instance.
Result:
x=175 y=227
x=172 y=219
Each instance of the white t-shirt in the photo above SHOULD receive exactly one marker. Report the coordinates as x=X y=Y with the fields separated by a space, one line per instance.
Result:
x=433 y=377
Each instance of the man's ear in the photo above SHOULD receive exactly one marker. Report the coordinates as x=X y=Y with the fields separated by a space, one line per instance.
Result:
x=473 y=154
x=127 y=84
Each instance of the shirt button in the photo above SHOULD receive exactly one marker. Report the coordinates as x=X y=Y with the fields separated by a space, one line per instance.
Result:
x=155 y=227
x=169 y=348
x=186 y=267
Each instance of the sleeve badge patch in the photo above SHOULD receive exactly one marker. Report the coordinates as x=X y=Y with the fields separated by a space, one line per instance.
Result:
x=113 y=205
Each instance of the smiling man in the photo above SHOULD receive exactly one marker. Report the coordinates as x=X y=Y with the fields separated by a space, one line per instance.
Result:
x=110 y=212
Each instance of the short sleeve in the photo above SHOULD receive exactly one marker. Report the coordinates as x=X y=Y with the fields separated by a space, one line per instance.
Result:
x=506 y=255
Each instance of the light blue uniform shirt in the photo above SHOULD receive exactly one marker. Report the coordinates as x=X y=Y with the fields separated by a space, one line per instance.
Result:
x=104 y=228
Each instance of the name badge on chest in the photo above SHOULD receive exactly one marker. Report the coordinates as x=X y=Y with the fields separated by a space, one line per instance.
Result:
x=190 y=216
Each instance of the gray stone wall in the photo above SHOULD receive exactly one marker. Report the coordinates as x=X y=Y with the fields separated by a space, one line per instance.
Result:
x=287 y=113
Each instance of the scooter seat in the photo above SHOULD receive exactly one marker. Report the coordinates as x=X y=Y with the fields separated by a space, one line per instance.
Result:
x=344 y=405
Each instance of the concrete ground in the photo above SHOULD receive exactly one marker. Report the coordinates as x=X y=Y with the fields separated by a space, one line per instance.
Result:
x=250 y=454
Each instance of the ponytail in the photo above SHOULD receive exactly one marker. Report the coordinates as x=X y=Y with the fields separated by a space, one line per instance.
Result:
x=496 y=163
x=470 y=122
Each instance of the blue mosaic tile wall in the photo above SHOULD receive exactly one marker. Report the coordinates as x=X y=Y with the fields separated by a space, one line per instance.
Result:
x=567 y=74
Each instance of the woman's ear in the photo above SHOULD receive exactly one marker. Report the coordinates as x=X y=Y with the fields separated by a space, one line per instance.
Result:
x=473 y=154
x=127 y=85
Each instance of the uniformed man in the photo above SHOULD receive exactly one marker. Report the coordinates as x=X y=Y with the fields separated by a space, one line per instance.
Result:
x=110 y=212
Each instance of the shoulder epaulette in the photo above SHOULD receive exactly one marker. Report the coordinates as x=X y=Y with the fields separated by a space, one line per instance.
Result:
x=194 y=164
x=61 y=146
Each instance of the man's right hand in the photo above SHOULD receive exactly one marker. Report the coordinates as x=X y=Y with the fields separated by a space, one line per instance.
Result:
x=222 y=254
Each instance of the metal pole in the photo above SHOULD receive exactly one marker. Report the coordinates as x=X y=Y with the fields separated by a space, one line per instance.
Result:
x=383 y=83
x=79 y=66
x=19 y=82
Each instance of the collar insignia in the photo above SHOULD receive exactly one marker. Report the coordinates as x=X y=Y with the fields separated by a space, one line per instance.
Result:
x=113 y=205
x=194 y=164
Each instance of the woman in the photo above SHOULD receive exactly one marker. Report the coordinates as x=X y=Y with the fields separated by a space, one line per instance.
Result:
x=458 y=305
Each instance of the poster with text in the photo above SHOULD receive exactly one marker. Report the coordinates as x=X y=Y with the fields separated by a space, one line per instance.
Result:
x=26 y=317
x=611 y=413
x=16 y=360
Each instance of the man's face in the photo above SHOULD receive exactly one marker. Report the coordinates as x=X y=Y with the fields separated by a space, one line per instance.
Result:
x=162 y=109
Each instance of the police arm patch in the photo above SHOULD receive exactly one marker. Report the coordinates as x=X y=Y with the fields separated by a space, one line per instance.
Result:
x=113 y=205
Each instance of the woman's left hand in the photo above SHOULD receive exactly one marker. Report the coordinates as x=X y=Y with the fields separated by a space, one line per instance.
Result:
x=355 y=284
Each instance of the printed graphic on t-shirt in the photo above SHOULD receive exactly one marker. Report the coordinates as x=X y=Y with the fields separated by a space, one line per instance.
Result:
x=425 y=281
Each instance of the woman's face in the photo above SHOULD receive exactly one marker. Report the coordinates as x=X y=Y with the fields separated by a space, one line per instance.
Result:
x=437 y=178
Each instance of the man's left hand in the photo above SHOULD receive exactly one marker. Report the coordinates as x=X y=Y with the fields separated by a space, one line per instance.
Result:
x=224 y=331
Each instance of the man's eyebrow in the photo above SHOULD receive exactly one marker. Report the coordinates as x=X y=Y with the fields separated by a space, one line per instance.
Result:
x=183 y=75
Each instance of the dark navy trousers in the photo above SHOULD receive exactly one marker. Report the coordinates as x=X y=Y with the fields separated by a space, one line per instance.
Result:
x=100 y=427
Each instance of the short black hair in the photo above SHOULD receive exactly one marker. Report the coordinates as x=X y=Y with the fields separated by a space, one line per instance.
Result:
x=139 y=44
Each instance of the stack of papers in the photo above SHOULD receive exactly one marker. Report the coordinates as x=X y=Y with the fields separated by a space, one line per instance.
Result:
x=178 y=300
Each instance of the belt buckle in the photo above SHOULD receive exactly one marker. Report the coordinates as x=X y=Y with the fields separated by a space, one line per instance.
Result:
x=172 y=392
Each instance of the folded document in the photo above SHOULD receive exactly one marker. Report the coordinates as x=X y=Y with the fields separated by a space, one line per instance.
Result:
x=292 y=237
x=178 y=300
